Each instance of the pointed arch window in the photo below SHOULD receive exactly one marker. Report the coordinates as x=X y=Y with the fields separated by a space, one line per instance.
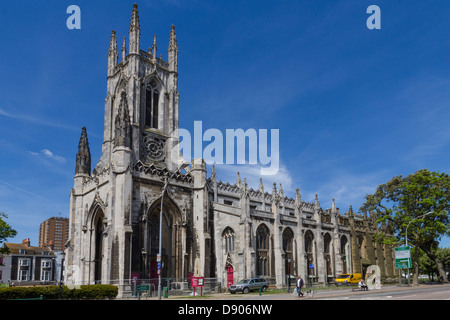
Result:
x=326 y=243
x=288 y=241
x=229 y=239
x=262 y=250
x=151 y=104
x=309 y=242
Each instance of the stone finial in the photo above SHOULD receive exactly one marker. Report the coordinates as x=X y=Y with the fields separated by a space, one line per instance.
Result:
x=298 y=198
x=113 y=55
x=173 y=50
x=245 y=188
x=238 y=180
x=154 y=48
x=274 y=193
x=316 y=201
x=134 y=24
x=83 y=159
x=173 y=46
x=213 y=174
x=134 y=31
x=124 y=49
x=112 y=44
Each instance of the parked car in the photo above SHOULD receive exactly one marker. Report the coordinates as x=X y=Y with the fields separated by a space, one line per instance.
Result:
x=349 y=278
x=247 y=285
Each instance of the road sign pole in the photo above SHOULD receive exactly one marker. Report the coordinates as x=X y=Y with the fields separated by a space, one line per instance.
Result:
x=403 y=260
x=160 y=240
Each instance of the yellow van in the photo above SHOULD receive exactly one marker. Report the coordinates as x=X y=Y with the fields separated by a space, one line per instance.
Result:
x=349 y=278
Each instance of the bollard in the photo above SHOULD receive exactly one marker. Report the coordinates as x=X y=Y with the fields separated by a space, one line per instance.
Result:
x=260 y=290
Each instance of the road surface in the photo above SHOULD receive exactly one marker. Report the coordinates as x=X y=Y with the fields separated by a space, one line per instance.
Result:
x=422 y=292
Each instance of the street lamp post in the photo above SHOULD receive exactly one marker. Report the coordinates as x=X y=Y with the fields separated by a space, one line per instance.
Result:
x=63 y=255
x=406 y=236
x=289 y=275
x=166 y=183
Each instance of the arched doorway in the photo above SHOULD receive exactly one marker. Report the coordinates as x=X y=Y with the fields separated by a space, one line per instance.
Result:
x=97 y=244
x=98 y=257
x=230 y=275
x=171 y=243
x=228 y=245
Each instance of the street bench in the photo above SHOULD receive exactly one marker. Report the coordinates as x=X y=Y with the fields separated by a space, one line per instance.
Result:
x=365 y=288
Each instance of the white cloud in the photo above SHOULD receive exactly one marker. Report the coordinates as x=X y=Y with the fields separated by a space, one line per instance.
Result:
x=347 y=188
x=36 y=120
x=49 y=155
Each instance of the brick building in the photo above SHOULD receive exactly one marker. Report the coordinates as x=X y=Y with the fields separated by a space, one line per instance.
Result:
x=53 y=233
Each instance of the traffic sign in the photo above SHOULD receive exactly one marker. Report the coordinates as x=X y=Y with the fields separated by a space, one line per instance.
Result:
x=403 y=257
x=311 y=266
x=158 y=265
x=143 y=287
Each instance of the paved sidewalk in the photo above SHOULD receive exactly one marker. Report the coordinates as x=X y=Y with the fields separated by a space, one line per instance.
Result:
x=319 y=294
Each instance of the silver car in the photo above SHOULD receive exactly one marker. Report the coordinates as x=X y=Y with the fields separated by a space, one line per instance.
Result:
x=247 y=285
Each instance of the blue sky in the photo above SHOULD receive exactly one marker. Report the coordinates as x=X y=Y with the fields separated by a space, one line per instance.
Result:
x=354 y=106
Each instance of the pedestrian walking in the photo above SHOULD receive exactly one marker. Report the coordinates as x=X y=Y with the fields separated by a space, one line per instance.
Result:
x=300 y=284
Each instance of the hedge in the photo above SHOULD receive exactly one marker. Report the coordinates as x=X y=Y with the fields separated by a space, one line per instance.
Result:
x=88 y=292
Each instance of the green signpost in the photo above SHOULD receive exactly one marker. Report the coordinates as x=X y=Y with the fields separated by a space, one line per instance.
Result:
x=403 y=257
x=143 y=287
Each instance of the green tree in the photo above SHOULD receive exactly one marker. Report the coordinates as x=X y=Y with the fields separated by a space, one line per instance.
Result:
x=6 y=231
x=426 y=265
x=405 y=203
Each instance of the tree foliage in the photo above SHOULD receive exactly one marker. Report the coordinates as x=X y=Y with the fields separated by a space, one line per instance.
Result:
x=6 y=231
x=405 y=203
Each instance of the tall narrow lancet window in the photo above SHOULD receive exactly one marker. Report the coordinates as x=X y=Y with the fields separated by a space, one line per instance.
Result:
x=229 y=239
x=262 y=250
x=151 y=104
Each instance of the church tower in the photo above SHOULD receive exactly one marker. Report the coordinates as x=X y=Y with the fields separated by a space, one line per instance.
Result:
x=115 y=209
x=147 y=87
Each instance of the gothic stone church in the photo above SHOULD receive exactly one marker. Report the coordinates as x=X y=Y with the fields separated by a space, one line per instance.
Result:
x=209 y=228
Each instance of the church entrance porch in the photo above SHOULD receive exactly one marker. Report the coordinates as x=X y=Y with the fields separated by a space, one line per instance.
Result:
x=171 y=244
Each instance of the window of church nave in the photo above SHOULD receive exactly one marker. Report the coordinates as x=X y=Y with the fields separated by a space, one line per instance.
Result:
x=229 y=239
x=151 y=104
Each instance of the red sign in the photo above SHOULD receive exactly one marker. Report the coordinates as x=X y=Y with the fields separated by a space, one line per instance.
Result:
x=197 y=282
